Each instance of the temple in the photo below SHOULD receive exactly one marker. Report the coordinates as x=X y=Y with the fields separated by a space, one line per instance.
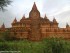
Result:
x=36 y=27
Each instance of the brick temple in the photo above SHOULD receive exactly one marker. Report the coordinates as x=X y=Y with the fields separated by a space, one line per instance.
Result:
x=36 y=27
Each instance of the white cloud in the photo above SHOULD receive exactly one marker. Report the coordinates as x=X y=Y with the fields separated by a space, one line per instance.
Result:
x=57 y=8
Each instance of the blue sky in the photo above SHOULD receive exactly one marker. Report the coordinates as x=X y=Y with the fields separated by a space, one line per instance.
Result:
x=60 y=9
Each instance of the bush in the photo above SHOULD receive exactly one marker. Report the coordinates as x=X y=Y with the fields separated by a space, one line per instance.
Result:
x=52 y=45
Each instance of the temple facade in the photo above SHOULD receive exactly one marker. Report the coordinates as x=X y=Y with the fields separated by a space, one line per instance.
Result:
x=36 y=27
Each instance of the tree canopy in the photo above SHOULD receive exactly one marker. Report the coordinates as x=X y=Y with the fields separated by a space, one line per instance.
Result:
x=4 y=3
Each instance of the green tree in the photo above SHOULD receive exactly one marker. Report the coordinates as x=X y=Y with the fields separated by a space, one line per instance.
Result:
x=4 y=3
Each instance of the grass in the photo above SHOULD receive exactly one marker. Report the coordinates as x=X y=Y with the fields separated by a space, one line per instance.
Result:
x=52 y=45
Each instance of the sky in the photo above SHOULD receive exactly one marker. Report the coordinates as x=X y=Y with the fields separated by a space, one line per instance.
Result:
x=58 y=9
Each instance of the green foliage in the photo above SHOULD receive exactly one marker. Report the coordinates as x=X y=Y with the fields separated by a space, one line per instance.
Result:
x=55 y=45
x=4 y=36
x=52 y=45
x=4 y=3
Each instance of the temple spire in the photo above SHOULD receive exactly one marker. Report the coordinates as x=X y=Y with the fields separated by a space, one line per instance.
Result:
x=3 y=26
x=45 y=17
x=15 y=20
x=54 y=20
x=34 y=13
x=67 y=25
x=34 y=6
x=23 y=16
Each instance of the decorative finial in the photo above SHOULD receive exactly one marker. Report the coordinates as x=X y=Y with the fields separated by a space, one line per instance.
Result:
x=3 y=26
x=67 y=25
x=34 y=6
x=23 y=16
x=54 y=20
x=15 y=20
x=45 y=16
x=34 y=2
